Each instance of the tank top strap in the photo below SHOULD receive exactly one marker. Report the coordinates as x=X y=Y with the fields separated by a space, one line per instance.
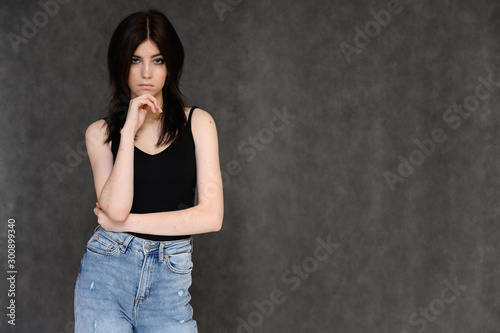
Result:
x=191 y=113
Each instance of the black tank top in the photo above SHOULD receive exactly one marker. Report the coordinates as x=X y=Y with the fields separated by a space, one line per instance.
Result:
x=165 y=181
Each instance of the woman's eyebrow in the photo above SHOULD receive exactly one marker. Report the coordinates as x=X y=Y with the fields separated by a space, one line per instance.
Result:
x=155 y=55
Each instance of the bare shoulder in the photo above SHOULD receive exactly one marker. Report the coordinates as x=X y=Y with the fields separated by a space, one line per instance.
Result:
x=201 y=117
x=96 y=132
x=203 y=127
x=97 y=126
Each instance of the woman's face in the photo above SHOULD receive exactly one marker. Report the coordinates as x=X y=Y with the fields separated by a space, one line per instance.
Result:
x=147 y=71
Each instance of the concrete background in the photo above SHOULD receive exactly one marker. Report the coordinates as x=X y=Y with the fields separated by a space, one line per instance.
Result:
x=371 y=158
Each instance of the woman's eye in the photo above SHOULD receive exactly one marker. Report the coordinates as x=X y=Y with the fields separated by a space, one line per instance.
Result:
x=159 y=61
x=135 y=61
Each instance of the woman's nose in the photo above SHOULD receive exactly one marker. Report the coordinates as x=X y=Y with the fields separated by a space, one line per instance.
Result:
x=146 y=72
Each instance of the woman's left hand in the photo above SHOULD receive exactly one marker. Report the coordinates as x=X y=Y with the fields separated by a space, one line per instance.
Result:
x=106 y=222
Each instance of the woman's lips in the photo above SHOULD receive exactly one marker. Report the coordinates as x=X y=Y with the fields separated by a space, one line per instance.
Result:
x=146 y=86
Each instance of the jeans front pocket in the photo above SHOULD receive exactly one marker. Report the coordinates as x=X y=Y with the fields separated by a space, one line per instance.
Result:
x=103 y=244
x=180 y=263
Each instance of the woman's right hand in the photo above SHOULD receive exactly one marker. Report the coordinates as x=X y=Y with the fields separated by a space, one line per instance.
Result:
x=137 y=110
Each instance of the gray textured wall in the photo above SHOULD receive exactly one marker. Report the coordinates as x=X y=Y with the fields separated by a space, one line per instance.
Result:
x=361 y=160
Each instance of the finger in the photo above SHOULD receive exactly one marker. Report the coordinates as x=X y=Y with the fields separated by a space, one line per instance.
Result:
x=154 y=100
x=143 y=100
x=151 y=106
x=151 y=98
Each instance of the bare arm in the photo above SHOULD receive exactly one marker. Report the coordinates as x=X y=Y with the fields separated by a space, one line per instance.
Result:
x=208 y=214
x=114 y=183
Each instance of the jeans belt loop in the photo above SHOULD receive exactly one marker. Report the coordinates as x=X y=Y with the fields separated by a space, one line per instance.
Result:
x=125 y=243
x=160 y=252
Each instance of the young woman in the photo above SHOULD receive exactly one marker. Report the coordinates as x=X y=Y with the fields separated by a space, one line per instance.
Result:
x=147 y=156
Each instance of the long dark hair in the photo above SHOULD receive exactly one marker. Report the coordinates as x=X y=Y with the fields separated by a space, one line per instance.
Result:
x=129 y=34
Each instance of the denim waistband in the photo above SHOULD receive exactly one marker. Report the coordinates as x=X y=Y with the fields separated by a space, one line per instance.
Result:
x=163 y=248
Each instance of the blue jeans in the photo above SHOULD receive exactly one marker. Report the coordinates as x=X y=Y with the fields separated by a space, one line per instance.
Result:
x=130 y=284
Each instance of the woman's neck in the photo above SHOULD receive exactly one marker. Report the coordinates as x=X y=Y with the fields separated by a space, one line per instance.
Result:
x=151 y=117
